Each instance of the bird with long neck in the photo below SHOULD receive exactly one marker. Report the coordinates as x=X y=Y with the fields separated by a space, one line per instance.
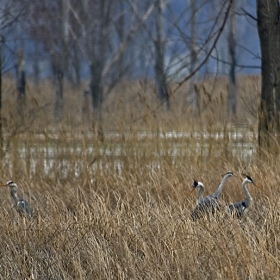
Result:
x=208 y=204
x=217 y=194
x=22 y=206
x=238 y=209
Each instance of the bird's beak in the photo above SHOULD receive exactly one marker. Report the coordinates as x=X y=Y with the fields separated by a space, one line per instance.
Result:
x=191 y=191
x=256 y=186
x=3 y=185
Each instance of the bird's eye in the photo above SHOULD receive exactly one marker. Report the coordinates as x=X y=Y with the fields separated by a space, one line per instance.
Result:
x=249 y=178
x=195 y=184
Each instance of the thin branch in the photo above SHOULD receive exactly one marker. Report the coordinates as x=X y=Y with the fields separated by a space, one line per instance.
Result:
x=210 y=51
x=249 y=15
x=249 y=51
x=14 y=19
x=236 y=64
x=198 y=67
x=123 y=44
x=148 y=30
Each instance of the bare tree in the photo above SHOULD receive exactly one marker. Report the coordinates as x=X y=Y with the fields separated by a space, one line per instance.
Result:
x=47 y=23
x=21 y=83
x=193 y=55
x=1 y=130
x=58 y=73
x=232 y=99
x=103 y=51
x=195 y=42
x=159 y=48
x=269 y=34
x=156 y=31
x=10 y=14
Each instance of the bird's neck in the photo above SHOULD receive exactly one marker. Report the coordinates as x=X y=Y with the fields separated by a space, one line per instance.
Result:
x=14 y=196
x=248 y=196
x=217 y=194
x=201 y=190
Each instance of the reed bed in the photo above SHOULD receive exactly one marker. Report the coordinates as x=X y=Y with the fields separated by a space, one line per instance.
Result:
x=120 y=208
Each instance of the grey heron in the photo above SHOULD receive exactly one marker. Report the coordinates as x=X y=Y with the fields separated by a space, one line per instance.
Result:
x=22 y=206
x=208 y=204
x=238 y=209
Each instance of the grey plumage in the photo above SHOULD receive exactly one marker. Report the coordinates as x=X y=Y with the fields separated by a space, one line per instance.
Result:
x=238 y=209
x=21 y=205
x=209 y=204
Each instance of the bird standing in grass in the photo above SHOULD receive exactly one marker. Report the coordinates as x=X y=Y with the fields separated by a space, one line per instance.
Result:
x=22 y=206
x=238 y=209
x=208 y=204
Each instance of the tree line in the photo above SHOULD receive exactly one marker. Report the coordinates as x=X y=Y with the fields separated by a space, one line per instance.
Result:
x=169 y=42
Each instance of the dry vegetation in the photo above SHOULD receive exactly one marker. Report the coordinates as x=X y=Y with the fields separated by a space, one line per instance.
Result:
x=120 y=209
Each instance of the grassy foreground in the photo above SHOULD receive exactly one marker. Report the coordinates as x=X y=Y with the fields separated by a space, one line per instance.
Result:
x=128 y=217
x=120 y=209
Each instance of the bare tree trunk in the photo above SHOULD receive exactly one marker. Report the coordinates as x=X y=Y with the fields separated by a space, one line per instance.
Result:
x=21 y=83
x=269 y=33
x=86 y=107
x=58 y=88
x=96 y=89
x=161 y=83
x=57 y=70
x=1 y=129
x=76 y=66
x=60 y=63
x=36 y=69
x=120 y=28
x=232 y=99
x=97 y=67
x=193 y=56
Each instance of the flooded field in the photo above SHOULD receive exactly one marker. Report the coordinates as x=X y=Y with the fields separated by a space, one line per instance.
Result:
x=74 y=155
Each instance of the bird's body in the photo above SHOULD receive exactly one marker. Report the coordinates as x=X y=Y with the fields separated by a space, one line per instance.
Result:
x=21 y=205
x=238 y=209
x=209 y=204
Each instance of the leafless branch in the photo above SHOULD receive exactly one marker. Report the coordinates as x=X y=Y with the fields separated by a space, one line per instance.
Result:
x=220 y=30
x=11 y=21
x=249 y=15
x=211 y=49
x=123 y=44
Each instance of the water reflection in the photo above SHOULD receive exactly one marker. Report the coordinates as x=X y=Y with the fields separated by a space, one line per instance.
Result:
x=73 y=159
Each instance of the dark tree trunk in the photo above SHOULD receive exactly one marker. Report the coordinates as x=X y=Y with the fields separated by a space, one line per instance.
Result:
x=58 y=85
x=161 y=83
x=36 y=69
x=269 y=34
x=232 y=99
x=77 y=67
x=21 y=84
x=95 y=85
x=1 y=135
x=96 y=90
x=86 y=107
x=60 y=62
x=58 y=88
x=194 y=102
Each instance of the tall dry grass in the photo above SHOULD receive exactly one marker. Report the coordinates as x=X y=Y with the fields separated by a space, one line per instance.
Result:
x=120 y=209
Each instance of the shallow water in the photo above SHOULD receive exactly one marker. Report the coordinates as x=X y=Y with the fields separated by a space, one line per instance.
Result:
x=73 y=159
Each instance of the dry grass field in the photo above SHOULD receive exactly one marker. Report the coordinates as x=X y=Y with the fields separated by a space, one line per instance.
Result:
x=120 y=209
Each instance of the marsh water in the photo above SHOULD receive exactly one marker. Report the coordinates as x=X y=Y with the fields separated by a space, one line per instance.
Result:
x=74 y=155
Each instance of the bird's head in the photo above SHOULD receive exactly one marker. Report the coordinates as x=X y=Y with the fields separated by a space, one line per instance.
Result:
x=195 y=185
x=249 y=180
x=10 y=184
x=228 y=174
